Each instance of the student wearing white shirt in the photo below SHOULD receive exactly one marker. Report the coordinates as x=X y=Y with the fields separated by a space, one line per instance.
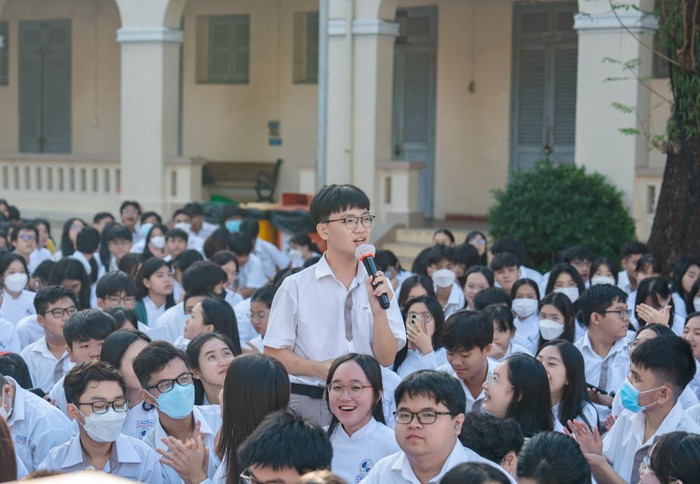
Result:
x=604 y=311
x=631 y=252
x=47 y=357
x=17 y=302
x=505 y=271
x=199 y=227
x=654 y=304
x=424 y=351
x=85 y=333
x=28 y=330
x=468 y=340
x=552 y=457
x=357 y=431
x=685 y=272
x=526 y=297
x=567 y=383
x=97 y=401
x=119 y=350
x=441 y=269
x=259 y=316
x=660 y=370
x=332 y=308
x=172 y=322
x=503 y=333
x=9 y=340
x=302 y=248
x=271 y=258
x=155 y=290
x=166 y=382
x=251 y=274
x=36 y=426
x=209 y=356
x=429 y=417
x=691 y=333
x=476 y=280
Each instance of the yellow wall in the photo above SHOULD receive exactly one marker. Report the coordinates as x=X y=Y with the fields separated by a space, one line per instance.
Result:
x=95 y=73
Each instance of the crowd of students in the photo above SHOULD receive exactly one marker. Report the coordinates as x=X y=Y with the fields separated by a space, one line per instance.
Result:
x=200 y=353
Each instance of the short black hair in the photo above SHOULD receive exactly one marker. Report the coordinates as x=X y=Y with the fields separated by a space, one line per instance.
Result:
x=186 y=259
x=438 y=385
x=88 y=324
x=130 y=203
x=149 y=214
x=283 y=440
x=501 y=315
x=118 y=232
x=100 y=216
x=180 y=211
x=24 y=226
x=251 y=227
x=668 y=357
x=264 y=295
x=491 y=437
x=51 y=294
x=503 y=260
x=88 y=240
x=80 y=375
x=177 y=234
x=13 y=365
x=123 y=316
x=552 y=457
x=240 y=243
x=578 y=251
x=440 y=253
x=117 y=343
x=194 y=209
x=112 y=283
x=336 y=198
x=648 y=261
x=511 y=246
x=465 y=330
x=633 y=247
x=203 y=275
x=475 y=473
x=491 y=295
x=43 y=270
x=153 y=358
x=597 y=299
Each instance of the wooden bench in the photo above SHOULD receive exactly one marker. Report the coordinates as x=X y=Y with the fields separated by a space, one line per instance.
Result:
x=258 y=175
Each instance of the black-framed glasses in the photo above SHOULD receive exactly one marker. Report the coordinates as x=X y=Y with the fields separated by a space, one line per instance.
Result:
x=351 y=222
x=164 y=386
x=120 y=405
x=114 y=300
x=425 y=417
x=246 y=478
x=621 y=313
x=354 y=389
x=60 y=312
x=27 y=237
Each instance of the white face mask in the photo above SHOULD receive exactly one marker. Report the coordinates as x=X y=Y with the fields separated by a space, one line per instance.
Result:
x=595 y=280
x=4 y=414
x=295 y=254
x=696 y=304
x=550 y=329
x=104 y=427
x=158 y=242
x=444 y=277
x=184 y=226
x=16 y=282
x=524 y=307
x=570 y=292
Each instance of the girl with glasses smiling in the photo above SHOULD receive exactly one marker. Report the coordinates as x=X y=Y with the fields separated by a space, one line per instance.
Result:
x=424 y=320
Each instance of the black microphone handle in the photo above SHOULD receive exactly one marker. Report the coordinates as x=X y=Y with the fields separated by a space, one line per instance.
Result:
x=372 y=271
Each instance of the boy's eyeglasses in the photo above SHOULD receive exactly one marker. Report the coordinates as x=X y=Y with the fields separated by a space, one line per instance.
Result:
x=351 y=222
x=59 y=312
x=621 y=313
x=120 y=405
x=425 y=417
x=164 y=386
x=114 y=300
x=27 y=237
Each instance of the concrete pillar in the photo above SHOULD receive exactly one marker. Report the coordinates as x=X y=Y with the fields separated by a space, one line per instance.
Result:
x=2 y=5
x=150 y=40
x=608 y=39
x=361 y=65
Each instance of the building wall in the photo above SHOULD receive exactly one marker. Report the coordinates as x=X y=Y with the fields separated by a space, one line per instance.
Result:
x=95 y=72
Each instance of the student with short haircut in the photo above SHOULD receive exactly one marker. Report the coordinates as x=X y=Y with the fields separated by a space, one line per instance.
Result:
x=283 y=448
x=36 y=426
x=604 y=312
x=24 y=240
x=631 y=252
x=199 y=227
x=552 y=457
x=441 y=269
x=175 y=243
x=660 y=370
x=429 y=417
x=580 y=257
x=116 y=288
x=493 y=438
x=489 y=296
x=271 y=258
x=166 y=382
x=506 y=270
x=468 y=339
x=183 y=262
x=96 y=394
x=516 y=248
x=251 y=274
x=47 y=358
x=85 y=333
x=332 y=307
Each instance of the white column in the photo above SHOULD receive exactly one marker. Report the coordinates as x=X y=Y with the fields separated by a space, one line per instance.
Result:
x=607 y=40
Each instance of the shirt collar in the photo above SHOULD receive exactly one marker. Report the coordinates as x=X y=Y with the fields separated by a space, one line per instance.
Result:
x=74 y=454
x=124 y=451
x=619 y=344
x=403 y=465
x=361 y=433
x=18 y=404
x=42 y=346
x=322 y=269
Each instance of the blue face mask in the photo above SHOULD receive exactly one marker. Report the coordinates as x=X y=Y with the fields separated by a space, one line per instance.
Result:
x=233 y=225
x=178 y=402
x=145 y=228
x=629 y=396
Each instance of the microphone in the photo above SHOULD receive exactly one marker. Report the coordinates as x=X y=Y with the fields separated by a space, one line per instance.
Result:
x=365 y=254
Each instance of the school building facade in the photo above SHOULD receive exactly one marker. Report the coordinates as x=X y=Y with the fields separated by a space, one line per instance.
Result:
x=431 y=104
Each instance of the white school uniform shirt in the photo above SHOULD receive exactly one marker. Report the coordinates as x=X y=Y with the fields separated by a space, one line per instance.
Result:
x=473 y=404
x=355 y=455
x=455 y=301
x=271 y=257
x=139 y=421
x=181 y=343
x=415 y=361
x=512 y=349
x=396 y=468
x=625 y=438
x=21 y=468
x=687 y=400
x=38 y=255
x=623 y=282
x=252 y=274
x=178 y=290
x=44 y=367
x=210 y=418
x=232 y=298
x=28 y=330
x=15 y=309
x=390 y=381
x=256 y=343
x=589 y=412
x=130 y=458
x=195 y=243
x=36 y=427
x=205 y=230
x=9 y=340
x=527 y=332
x=695 y=382
x=527 y=273
x=307 y=317
x=246 y=332
x=171 y=322
x=679 y=308
x=152 y=311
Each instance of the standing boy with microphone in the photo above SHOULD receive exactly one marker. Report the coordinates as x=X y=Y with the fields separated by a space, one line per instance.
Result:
x=333 y=307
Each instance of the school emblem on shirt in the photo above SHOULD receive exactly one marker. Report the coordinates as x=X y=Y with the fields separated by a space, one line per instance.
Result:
x=143 y=426
x=21 y=440
x=365 y=466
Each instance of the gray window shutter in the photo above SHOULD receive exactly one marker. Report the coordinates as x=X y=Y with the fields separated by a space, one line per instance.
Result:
x=57 y=86
x=229 y=48
x=312 y=26
x=5 y=54
x=565 y=69
x=30 y=82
